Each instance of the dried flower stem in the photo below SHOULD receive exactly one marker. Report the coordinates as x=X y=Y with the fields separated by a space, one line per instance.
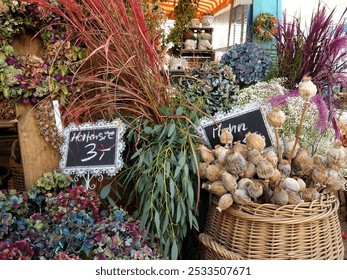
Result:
x=279 y=156
x=299 y=131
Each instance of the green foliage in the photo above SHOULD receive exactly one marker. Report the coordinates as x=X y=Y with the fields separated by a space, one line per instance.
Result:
x=211 y=87
x=163 y=172
x=184 y=12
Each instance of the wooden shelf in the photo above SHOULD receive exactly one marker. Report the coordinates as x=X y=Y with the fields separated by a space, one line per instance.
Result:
x=7 y=123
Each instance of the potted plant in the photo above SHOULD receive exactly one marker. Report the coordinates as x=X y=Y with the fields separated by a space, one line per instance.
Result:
x=183 y=13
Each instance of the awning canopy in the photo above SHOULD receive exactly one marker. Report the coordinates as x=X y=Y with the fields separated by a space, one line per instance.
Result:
x=205 y=6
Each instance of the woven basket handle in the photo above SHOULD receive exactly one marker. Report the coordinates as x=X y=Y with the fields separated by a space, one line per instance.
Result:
x=207 y=241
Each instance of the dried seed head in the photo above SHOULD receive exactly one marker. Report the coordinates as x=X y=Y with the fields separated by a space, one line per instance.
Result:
x=250 y=171
x=244 y=183
x=319 y=175
x=226 y=137
x=336 y=156
x=279 y=196
x=285 y=168
x=255 y=141
x=288 y=147
x=206 y=154
x=306 y=166
x=307 y=89
x=241 y=197
x=276 y=117
x=229 y=181
x=264 y=169
x=294 y=198
x=202 y=169
x=300 y=156
x=225 y=201
x=235 y=163
x=290 y=184
x=254 y=156
x=213 y=173
x=271 y=156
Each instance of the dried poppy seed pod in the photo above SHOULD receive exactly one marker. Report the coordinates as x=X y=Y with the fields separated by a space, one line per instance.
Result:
x=244 y=183
x=250 y=171
x=255 y=141
x=276 y=117
x=319 y=175
x=290 y=184
x=213 y=173
x=301 y=155
x=274 y=178
x=216 y=188
x=225 y=201
x=335 y=186
x=254 y=156
x=271 y=156
x=202 y=169
x=336 y=156
x=307 y=195
x=229 y=182
x=206 y=154
x=235 y=163
x=306 y=166
x=285 y=168
x=302 y=184
x=264 y=169
x=241 y=196
x=315 y=194
x=226 y=137
x=332 y=176
x=255 y=190
x=241 y=148
x=319 y=162
x=288 y=147
x=294 y=198
x=307 y=89
x=279 y=196
x=220 y=153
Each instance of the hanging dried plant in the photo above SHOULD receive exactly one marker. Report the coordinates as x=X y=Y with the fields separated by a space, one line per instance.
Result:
x=44 y=114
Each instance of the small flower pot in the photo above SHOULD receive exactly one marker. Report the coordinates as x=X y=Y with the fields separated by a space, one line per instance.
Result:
x=195 y=22
x=207 y=20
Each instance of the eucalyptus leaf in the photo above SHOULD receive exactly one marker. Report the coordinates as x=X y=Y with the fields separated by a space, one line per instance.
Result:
x=105 y=191
x=174 y=251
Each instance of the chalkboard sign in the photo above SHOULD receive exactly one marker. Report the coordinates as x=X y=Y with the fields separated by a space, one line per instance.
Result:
x=93 y=148
x=240 y=121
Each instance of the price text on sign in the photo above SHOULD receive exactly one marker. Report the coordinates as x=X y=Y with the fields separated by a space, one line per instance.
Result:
x=239 y=123
x=92 y=148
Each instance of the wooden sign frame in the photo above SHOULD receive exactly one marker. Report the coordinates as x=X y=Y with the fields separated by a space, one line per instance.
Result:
x=240 y=121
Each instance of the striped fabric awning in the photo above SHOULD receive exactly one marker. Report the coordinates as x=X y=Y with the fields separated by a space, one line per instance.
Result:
x=205 y=6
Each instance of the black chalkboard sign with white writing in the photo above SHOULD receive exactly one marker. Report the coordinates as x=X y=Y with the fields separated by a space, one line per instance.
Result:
x=94 y=148
x=240 y=122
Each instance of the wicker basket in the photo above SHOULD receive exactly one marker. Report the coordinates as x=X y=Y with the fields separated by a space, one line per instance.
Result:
x=309 y=230
x=16 y=167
